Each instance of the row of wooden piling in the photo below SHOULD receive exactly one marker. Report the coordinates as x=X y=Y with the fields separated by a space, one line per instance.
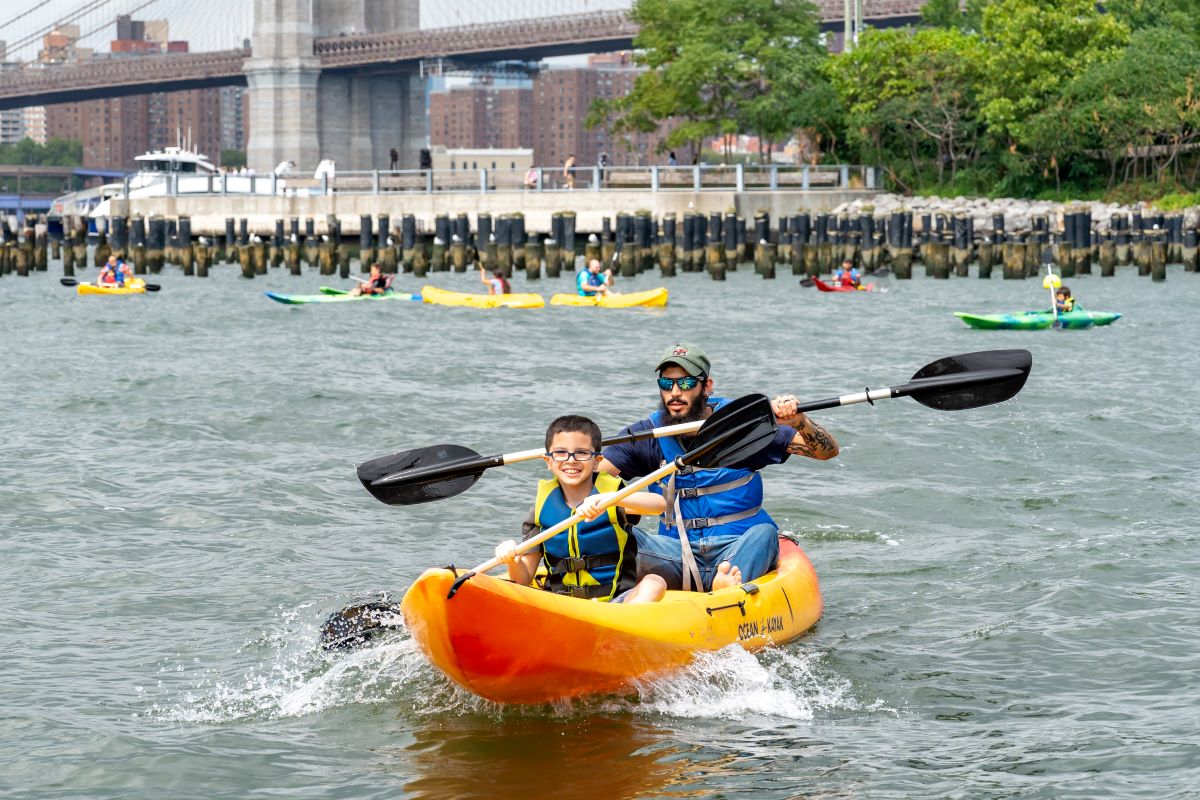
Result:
x=811 y=244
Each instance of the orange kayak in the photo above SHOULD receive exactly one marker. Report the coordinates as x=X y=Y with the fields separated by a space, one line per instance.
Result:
x=517 y=644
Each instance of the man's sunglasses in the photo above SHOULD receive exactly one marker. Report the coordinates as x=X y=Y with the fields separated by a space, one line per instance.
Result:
x=686 y=383
x=566 y=455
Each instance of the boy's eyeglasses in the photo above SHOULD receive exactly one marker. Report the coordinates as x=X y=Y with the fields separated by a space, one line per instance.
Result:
x=566 y=455
x=686 y=383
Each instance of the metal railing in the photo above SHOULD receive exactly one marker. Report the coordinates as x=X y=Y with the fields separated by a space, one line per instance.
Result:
x=693 y=178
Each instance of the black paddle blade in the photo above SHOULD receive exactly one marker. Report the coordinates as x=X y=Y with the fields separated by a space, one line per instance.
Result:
x=355 y=626
x=734 y=432
x=152 y=287
x=423 y=488
x=68 y=281
x=970 y=380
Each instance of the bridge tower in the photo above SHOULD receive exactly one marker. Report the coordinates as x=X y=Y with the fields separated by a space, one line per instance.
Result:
x=299 y=113
x=282 y=74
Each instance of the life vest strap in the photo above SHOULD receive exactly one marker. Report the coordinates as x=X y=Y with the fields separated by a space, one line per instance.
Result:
x=700 y=491
x=579 y=563
x=581 y=592
x=712 y=522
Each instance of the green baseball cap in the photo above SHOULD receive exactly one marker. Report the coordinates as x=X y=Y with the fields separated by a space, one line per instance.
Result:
x=691 y=358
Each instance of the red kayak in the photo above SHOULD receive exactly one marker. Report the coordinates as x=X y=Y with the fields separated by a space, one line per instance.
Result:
x=825 y=287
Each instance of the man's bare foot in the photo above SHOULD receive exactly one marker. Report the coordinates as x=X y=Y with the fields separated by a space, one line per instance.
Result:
x=727 y=575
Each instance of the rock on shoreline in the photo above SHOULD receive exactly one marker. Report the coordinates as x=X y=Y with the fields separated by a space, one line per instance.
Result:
x=1017 y=213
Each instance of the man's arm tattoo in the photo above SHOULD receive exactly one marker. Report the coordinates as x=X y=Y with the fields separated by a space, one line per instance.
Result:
x=813 y=441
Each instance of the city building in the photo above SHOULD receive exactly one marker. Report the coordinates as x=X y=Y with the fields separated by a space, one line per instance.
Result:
x=481 y=115
x=114 y=131
x=562 y=100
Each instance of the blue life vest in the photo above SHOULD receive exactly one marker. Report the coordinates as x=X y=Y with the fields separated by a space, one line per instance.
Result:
x=586 y=278
x=712 y=502
x=585 y=560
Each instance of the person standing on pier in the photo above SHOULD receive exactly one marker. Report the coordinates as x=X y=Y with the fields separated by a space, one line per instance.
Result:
x=569 y=171
x=395 y=160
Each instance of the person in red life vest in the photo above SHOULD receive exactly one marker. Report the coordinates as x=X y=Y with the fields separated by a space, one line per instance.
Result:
x=847 y=275
x=596 y=559
x=497 y=284
x=377 y=283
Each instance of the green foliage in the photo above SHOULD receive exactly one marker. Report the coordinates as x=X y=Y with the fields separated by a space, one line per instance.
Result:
x=232 y=158
x=1033 y=47
x=913 y=96
x=723 y=66
x=942 y=14
x=55 y=153
x=1139 y=110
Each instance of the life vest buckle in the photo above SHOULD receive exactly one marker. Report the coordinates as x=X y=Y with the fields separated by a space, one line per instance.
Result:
x=572 y=564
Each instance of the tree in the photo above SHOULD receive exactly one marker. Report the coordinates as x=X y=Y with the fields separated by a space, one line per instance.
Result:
x=1033 y=47
x=232 y=158
x=1140 y=110
x=913 y=96
x=715 y=66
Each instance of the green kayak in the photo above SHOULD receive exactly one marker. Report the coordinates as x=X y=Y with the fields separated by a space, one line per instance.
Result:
x=1038 y=320
x=331 y=295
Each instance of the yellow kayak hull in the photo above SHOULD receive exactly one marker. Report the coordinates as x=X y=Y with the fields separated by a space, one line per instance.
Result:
x=517 y=644
x=446 y=297
x=137 y=286
x=651 y=298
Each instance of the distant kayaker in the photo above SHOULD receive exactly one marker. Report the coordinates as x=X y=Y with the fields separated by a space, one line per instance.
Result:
x=377 y=283
x=718 y=513
x=114 y=273
x=596 y=559
x=591 y=281
x=497 y=284
x=847 y=275
x=1063 y=302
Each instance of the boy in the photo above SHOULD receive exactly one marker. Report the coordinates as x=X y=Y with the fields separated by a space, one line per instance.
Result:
x=595 y=559
x=848 y=275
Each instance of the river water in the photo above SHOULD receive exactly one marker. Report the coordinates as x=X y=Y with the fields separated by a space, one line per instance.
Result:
x=1011 y=592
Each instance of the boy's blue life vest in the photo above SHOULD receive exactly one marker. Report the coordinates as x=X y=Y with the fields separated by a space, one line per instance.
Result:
x=711 y=502
x=586 y=560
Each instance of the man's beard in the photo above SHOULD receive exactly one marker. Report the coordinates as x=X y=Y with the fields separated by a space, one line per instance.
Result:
x=693 y=413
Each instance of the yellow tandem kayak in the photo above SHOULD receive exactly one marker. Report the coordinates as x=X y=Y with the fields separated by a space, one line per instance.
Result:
x=136 y=286
x=517 y=644
x=446 y=297
x=651 y=298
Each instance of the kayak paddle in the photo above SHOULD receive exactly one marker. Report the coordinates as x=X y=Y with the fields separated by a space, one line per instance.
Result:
x=149 y=287
x=732 y=434
x=953 y=383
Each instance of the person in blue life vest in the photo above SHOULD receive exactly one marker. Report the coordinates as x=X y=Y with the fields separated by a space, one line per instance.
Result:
x=596 y=559
x=714 y=532
x=114 y=273
x=591 y=281
x=847 y=275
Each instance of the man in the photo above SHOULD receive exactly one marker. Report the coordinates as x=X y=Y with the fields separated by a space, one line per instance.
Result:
x=393 y=159
x=715 y=532
x=590 y=282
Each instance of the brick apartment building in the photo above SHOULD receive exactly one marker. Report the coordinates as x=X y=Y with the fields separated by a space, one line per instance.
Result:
x=481 y=116
x=114 y=131
x=548 y=117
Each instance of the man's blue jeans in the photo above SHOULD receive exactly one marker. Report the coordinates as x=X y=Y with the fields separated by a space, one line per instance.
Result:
x=755 y=552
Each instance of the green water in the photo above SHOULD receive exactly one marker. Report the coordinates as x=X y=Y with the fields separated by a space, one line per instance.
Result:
x=1011 y=592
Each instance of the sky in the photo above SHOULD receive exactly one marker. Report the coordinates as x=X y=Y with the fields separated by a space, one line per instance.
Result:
x=223 y=24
